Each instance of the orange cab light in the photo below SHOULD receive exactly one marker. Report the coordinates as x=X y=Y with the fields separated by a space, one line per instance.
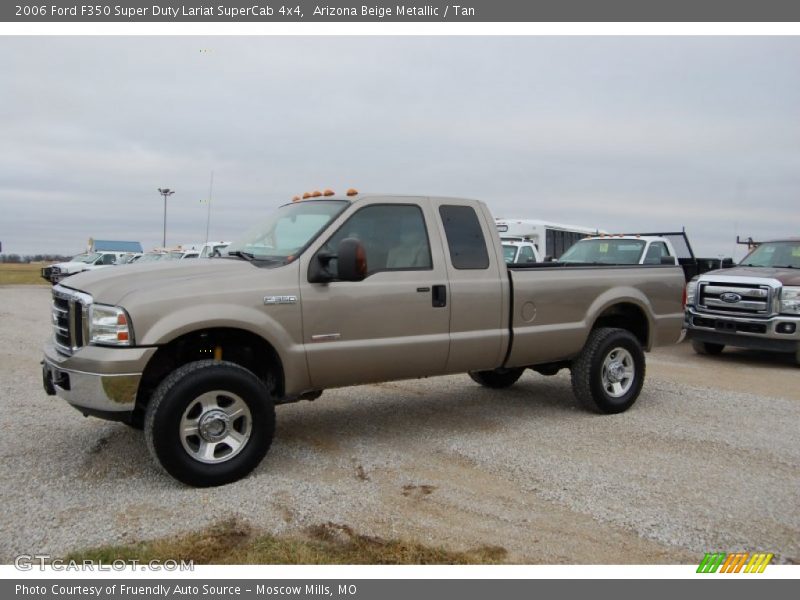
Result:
x=352 y=192
x=122 y=336
x=316 y=194
x=296 y=199
x=306 y=195
x=328 y=192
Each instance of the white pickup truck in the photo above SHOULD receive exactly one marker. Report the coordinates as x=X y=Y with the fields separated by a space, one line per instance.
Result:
x=515 y=251
x=622 y=249
x=84 y=262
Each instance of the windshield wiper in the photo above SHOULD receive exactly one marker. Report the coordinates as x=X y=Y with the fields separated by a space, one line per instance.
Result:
x=248 y=256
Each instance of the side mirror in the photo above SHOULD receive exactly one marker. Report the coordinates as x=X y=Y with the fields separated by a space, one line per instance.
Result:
x=548 y=259
x=352 y=260
x=669 y=260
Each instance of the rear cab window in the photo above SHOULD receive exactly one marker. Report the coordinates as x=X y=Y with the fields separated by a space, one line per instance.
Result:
x=464 y=235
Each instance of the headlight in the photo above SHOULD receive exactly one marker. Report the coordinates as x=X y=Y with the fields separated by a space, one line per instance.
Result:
x=691 y=291
x=790 y=301
x=109 y=325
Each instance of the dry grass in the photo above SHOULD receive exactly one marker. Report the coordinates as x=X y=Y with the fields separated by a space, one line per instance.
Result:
x=234 y=542
x=26 y=274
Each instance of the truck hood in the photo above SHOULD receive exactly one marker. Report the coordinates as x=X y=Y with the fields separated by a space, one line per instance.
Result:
x=785 y=276
x=71 y=266
x=111 y=286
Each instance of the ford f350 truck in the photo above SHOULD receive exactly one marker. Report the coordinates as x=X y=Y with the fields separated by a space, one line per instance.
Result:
x=754 y=305
x=337 y=291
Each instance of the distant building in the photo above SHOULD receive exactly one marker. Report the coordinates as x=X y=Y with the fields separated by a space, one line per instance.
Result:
x=113 y=246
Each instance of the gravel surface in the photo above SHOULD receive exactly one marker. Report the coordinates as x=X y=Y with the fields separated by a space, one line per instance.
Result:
x=708 y=459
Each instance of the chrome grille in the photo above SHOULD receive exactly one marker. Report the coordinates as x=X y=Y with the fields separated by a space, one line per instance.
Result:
x=68 y=310
x=739 y=299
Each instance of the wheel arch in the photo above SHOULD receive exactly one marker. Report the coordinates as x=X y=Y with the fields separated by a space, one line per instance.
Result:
x=629 y=314
x=240 y=346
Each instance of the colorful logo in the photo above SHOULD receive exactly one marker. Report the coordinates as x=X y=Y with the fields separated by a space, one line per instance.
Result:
x=737 y=562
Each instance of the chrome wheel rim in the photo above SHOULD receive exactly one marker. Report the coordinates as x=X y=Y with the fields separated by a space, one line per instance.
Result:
x=215 y=427
x=618 y=373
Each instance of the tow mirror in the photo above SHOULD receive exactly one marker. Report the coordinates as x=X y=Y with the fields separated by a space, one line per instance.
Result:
x=352 y=260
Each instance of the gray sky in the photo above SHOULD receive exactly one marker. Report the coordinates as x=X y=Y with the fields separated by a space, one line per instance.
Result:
x=621 y=133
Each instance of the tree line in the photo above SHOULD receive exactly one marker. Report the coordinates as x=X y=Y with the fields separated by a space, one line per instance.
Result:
x=28 y=258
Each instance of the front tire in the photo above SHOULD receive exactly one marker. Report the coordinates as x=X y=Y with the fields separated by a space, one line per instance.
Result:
x=497 y=379
x=608 y=374
x=707 y=348
x=210 y=423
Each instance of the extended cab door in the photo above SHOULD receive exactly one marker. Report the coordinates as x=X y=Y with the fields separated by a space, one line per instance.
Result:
x=479 y=287
x=395 y=323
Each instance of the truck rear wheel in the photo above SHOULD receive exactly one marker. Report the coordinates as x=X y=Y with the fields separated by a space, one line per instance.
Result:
x=210 y=423
x=707 y=347
x=497 y=379
x=608 y=374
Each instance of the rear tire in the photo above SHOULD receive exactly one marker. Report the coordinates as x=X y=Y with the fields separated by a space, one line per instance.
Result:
x=707 y=348
x=497 y=379
x=210 y=423
x=608 y=374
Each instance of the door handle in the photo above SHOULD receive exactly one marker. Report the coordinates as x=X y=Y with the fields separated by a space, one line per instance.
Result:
x=439 y=296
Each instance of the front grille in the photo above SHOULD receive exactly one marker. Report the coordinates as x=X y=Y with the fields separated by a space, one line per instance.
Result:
x=736 y=299
x=68 y=322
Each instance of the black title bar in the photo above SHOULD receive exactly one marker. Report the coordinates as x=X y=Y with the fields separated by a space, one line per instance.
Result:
x=188 y=11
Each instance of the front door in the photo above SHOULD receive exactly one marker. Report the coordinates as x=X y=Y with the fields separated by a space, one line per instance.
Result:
x=395 y=323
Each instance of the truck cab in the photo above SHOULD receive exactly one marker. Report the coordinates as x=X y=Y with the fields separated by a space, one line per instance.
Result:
x=516 y=251
x=621 y=249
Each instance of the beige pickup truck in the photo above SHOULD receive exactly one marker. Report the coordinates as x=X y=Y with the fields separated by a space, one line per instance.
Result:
x=336 y=291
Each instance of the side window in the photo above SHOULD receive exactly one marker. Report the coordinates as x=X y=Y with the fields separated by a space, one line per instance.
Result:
x=393 y=235
x=655 y=252
x=526 y=255
x=109 y=259
x=464 y=237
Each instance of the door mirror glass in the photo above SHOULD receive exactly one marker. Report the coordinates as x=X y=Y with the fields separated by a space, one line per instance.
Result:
x=352 y=260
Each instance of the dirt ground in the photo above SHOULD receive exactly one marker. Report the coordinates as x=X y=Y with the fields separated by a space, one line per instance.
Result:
x=708 y=459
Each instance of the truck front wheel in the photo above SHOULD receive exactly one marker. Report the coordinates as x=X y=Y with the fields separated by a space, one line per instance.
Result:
x=210 y=423
x=497 y=379
x=608 y=374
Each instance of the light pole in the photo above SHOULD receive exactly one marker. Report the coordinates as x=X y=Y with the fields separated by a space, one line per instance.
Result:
x=165 y=192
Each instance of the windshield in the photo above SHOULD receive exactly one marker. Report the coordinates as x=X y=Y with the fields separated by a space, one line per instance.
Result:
x=509 y=252
x=175 y=255
x=605 y=251
x=86 y=258
x=774 y=254
x=287 y=231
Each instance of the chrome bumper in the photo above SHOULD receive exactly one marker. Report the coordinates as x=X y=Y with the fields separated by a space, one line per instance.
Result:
x=84 y=388
x=764 y=334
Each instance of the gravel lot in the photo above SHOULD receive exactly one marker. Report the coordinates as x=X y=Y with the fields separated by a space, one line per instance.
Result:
x=708 y=459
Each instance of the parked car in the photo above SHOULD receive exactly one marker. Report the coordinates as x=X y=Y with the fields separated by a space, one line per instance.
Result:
x=753 y=305
x=83 y=262
x=338 y=291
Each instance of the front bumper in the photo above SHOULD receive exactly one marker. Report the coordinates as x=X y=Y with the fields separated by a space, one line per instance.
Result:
x=743 y=332
x=95 y=380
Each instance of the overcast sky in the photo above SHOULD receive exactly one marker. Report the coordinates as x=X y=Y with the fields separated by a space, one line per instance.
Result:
x=620 y=133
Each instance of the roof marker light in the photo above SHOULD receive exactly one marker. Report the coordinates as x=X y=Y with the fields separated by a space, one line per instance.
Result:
x=352 y=192
x=306 y=195
x=328 y=192
x=316 y=194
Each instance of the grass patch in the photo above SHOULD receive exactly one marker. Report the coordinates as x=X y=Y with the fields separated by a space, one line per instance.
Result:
x=232 y=542
x=24 y=274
